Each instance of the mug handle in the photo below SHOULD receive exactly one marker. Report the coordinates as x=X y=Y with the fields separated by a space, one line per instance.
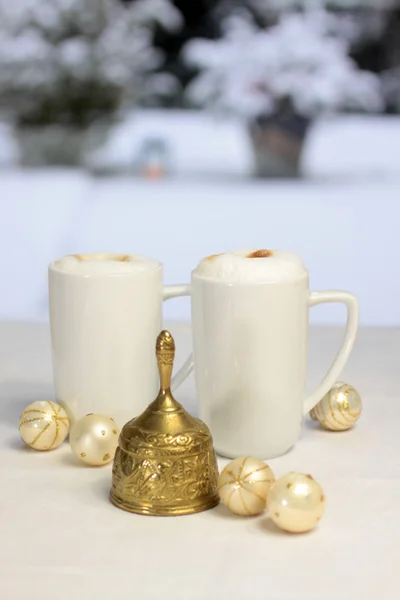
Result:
x=175 y=291
x=341 y=358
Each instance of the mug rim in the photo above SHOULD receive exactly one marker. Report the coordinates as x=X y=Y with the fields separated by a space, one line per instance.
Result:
x=52 y=266
x=214 y=281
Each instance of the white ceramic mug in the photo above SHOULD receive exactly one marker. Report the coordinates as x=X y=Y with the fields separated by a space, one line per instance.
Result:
x=105 y=316
x=250 y=331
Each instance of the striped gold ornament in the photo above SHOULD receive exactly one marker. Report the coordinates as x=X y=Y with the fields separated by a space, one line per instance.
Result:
x=339 y=409
x=243 y=485
x=43 y=425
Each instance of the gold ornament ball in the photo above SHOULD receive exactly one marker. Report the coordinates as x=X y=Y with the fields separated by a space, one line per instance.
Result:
x=339 y=409
x=94 y=439
x=243 y=485
x=296 y=502
x=43 y=425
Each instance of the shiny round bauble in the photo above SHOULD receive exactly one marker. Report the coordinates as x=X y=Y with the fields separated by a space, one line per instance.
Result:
x=339 y=409
x=43 y=425
x=243 y=485
x=94 y=439
x=296 y=502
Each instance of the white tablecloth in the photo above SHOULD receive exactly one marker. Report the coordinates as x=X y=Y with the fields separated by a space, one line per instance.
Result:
x=61 y=538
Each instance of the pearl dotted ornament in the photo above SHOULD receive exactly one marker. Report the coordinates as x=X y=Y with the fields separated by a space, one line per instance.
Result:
x=296 y=502
x=339 y=409
x=43 y=425
x=94 y=439
x=243 y=485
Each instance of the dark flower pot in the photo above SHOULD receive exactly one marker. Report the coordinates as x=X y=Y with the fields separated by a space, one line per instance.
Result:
x=58 y=145
x=278 y=142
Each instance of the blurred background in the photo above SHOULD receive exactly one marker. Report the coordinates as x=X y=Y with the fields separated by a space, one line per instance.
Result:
x=179 y=129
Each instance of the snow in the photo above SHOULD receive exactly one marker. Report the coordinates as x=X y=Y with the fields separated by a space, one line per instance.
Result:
x=279 y=4
x=161 y=10
x=202 y=144
x=355 y=147
x=340 y=147
x=304 y=57
x=196 y=143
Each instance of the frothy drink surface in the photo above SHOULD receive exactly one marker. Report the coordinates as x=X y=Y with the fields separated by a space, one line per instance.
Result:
x=253 y=265
x=103 y=264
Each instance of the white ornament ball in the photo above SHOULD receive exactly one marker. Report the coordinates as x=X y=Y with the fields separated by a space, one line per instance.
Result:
x=94 y=439
x=43 y=425
x=339 y=409
x=243 y=485
x=296 y=502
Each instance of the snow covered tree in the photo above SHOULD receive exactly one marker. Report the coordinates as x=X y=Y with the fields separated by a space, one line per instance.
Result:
x=363 y=24
x=278 y=79
x=300 y=61
x=72 y=61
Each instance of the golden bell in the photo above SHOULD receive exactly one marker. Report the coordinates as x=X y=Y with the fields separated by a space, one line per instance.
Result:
x=165 y=463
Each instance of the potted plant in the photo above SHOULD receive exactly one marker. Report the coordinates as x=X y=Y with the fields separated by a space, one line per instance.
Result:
x=68 y=66
x=279 y=79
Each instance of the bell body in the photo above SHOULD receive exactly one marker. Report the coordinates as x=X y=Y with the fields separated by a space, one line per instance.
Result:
x=164 y=474
x=165 y=463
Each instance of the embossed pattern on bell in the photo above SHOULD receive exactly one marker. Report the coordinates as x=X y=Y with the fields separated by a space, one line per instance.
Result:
x=165 y=463
x=159 y=482
x=165 y=343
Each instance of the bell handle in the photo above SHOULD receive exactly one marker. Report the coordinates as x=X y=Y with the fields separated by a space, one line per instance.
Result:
x=165 y=353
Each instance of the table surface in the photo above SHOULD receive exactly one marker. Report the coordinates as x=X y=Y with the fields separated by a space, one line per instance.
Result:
x=62 y=538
